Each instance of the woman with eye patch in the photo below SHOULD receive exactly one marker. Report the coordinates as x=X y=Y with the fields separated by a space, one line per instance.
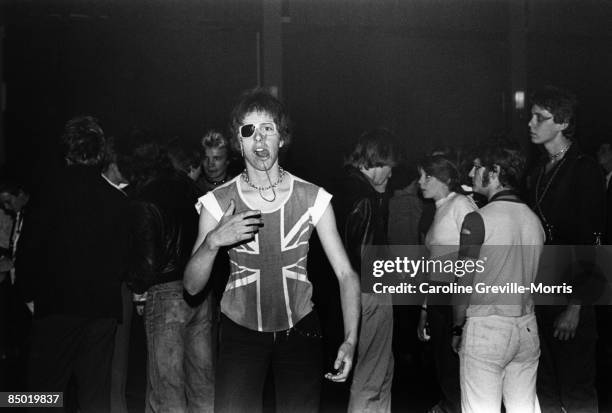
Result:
x=264 y=217
x=439 y=180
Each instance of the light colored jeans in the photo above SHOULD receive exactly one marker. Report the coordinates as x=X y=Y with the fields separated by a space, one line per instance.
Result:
x=499 y=361
x=180 y=365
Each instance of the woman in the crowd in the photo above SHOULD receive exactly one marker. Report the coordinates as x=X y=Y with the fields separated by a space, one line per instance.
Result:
x=440 y=180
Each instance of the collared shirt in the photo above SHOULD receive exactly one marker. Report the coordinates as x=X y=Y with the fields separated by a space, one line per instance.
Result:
x=120 y=187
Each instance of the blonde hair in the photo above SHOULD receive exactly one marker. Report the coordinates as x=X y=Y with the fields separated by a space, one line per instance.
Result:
x=214 y=139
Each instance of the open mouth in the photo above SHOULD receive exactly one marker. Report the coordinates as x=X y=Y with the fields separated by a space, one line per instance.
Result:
x=262 y=153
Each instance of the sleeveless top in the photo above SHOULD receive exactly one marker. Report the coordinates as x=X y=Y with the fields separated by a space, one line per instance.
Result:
x=268 y=287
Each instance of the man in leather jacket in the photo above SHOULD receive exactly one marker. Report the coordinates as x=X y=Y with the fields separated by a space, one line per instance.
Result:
x=164 y=225
x=365 y=210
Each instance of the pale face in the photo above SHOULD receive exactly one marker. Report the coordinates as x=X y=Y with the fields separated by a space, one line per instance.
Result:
x=475 y=166
x=432 y=187
x=261 y=149
x=378 y=176
x=542 y=126
x=215 y=163
x=477 y=174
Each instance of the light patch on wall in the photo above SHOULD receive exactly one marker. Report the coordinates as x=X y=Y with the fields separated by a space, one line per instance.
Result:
x=519 y=99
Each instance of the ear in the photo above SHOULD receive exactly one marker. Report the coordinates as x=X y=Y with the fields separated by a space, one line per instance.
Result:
x=494 y=175
x=281 y=143
x=563 y=126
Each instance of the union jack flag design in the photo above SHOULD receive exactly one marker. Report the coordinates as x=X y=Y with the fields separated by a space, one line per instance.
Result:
x=268 y=287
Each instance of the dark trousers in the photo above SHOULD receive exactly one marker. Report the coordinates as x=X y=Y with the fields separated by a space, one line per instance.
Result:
x=440 y=319
x=67 y=346
x=245 y=356
x=119 y=369
x=567 y=370
x=15 y=322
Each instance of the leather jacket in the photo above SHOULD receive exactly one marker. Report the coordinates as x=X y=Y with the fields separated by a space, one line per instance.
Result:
x=363 y=215
x=163 y=227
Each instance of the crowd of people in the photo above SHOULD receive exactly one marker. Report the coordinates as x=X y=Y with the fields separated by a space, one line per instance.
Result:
x=214 y=259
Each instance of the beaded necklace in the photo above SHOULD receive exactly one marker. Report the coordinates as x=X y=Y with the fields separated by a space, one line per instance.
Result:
x=260 y=189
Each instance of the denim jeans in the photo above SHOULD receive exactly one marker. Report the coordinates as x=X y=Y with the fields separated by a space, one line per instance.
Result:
x=499 y=361
x=180 y=362
x=245 y=355
x=373 y=373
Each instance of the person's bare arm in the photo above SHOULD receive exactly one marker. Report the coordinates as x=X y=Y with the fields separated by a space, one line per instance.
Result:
x=349 y=292
x=212 y=235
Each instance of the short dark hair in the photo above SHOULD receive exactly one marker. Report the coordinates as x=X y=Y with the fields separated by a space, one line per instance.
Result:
x=260 y=100
x=560 y=103
x=83 y=141
x=403 y=175
x=376 y=147
x=443 y=169
x=184 y=156
x=510 y=161
x=148 y=160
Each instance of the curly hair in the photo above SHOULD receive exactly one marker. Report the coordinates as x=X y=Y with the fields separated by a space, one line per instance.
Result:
x=509 y=162
x=83 y=142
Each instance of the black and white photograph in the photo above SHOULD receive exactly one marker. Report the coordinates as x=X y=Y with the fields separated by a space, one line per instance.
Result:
x=301 y=206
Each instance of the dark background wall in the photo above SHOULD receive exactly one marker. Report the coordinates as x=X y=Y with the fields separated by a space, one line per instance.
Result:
x=437 y=72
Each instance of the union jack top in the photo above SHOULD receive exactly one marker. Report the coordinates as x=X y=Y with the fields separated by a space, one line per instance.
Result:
x=268 y=287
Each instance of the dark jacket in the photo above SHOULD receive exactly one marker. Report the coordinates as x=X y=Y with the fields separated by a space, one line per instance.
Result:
x=608 y=230
x=363 y=215
x=163 y=228
x=71 y=256
x=570 y=199
x=570 y=202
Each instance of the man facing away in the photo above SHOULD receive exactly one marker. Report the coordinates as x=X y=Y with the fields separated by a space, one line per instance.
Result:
x=164 y=225
x=498 y=346
x=567 y=192
x=70 y=262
